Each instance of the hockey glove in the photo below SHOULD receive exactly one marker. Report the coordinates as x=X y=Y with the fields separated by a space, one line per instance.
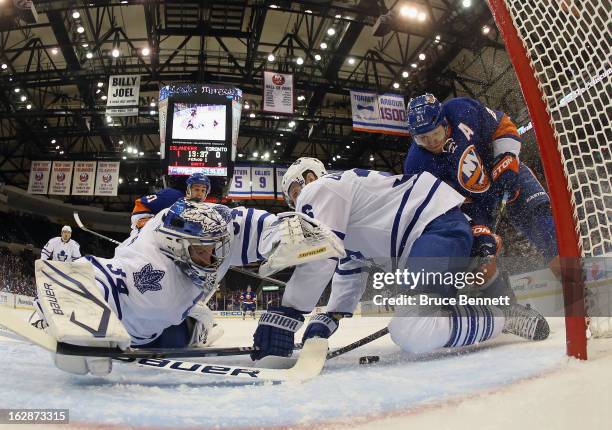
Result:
x=322 y=325
x=275 y=332
x=505 y=175
x=485 y=248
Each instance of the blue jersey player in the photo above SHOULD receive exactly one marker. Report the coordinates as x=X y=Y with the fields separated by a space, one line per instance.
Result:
x=477 y=151
x=248 y=300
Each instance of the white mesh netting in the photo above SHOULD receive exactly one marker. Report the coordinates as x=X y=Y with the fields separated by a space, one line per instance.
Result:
x=568 y=42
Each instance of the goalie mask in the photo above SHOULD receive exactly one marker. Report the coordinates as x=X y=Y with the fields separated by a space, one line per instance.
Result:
x=296 y=174
x=195 y=236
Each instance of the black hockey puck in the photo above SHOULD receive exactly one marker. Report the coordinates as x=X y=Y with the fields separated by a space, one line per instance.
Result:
x=368 y=359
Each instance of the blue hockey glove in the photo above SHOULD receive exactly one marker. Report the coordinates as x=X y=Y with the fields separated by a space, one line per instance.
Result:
x=275 y=332
x=505 y=175
x=322 y=325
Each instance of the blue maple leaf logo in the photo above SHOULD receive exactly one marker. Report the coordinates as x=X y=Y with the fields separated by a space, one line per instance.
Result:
x=148 y=279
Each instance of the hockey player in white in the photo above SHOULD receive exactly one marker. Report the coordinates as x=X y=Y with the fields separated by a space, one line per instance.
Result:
x=61 y=248
x=398 y=218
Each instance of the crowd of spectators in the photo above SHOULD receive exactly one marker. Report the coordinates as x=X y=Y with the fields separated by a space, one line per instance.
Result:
x=17 y=272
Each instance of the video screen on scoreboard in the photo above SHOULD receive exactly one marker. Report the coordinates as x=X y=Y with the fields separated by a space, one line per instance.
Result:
x=192 y=121
x=198 y=140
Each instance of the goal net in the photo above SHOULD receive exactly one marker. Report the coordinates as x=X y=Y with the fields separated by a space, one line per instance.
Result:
x=560 y=50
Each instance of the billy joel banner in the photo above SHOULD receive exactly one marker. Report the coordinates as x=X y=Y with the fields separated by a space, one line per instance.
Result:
x=107 y=178
x=61 y=177
x=123 y=93
x=240 y=188
x=84 y=178
x=262 y=179
x=375 y=113
x=39 y=177
x=278 y=92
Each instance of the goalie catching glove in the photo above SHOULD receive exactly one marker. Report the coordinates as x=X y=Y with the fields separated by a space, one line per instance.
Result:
x=301 y=239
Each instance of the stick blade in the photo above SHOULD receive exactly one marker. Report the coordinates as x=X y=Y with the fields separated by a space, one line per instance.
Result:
x=311 y=361
x=13 y=320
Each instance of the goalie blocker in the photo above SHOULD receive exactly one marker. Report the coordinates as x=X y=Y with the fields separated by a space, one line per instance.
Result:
x=77 y=314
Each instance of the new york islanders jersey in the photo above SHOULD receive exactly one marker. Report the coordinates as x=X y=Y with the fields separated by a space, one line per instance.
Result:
x=152 y=204
x=148 y=292
x=58 y=250
x=378 y=216
x=477 y=136
x=248 y=297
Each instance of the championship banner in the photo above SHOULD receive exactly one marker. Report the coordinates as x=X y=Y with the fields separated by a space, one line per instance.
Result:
x=393 y=114
x=123 y=93
x=61 y=177
x=365 y=112
x=262 y=183
x=39 y=177
x=278 y=93
x=84 y=178
x=374 y=113
x=280 y=172
x=240 y=188
x=107 y=178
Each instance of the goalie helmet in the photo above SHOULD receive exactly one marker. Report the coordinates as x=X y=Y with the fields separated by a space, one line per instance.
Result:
x=191 y=223
x=295 y=174
x=198 y=179
x=424 y=113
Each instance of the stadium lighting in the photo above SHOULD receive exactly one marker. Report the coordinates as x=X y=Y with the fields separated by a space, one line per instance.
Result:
x=331 y=31
x=308 y=11
x=275 y=151
x=351 y=61
x=278 y=143
x=252 y=115
x=266 y=155
x=80 y=29
x=115 y=52
x=300 y=98
x=54 y=51
x=486 y=29
x=124 y=157
x=240 y=155
x=334 y=158
x=23 y=98
x=272 y=161
x=438 y=37
x=141 y=153
x=246 y=106
x=4 y=66
x=338 y=16
x=89 y=55
x=76 y=15
x=466 y=3
x=121 y=180
x=121 y=142
x=100 y=84
x=57 y=147
x=84 y=45
x=292 y=124
x=371 y=158
x=152 y=104
x=152 y=112
x=422 y=16
x=273 y=6
x=17 y=90
x=317 y=57
x=271 y=58
x=409 y=11
x=255 y=154
x=405 y=74
x=104 y=97
x=135 y=179
x=323 y=45
x=109 y=119
x=396 y=85
x=28 y=106
x=299 y=61
x=53 y=141
x=348 y=146
x=422 y=56
x=414 y=65
x=61 y=152
x=146 y=51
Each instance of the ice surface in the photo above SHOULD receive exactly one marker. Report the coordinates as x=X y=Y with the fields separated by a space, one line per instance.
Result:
x=399 y=387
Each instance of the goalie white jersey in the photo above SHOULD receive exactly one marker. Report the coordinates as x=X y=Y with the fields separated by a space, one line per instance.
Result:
x=58 y=250
x=148 y=292
x=377 y=215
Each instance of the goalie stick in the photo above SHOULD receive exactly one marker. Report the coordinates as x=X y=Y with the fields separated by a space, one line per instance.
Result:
x=309 y=364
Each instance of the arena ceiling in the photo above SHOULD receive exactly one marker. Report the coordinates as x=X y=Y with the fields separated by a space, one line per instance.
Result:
x=55 y=70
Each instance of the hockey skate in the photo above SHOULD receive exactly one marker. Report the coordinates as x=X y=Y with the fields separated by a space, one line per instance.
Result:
x=525 y=322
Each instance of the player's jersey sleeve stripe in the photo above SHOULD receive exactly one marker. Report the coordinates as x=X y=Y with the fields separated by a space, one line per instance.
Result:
x=260 y=224
x=398 y=217
x=109 y=278
x=339 y=234
x=416 y=216
x=345 y=272
x=246 y=237
x=505 y=128
x=505 y=144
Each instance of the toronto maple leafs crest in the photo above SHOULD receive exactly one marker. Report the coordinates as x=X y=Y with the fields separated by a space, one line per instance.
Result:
x=148 y=279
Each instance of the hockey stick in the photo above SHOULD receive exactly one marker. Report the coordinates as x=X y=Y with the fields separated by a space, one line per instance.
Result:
x=309 y=364
x=82 y=227
x=358 y=343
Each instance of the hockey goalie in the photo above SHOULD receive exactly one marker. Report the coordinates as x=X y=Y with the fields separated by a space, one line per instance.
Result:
x=152 y=292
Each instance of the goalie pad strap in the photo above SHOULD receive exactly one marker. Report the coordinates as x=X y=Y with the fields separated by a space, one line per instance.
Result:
x=280 y=321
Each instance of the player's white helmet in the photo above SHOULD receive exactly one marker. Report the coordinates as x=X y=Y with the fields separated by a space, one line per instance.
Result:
x=192 y=223
x=295 y=174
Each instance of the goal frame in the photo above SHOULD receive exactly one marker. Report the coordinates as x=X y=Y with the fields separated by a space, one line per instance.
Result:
x=560 y=195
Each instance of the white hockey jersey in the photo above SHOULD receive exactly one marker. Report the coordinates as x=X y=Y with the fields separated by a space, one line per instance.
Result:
x=58 y=250
x=148 y=292
x=378 y=216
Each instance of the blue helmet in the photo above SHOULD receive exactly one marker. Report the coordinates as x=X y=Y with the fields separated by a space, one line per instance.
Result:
x=188 y=223
x=198 y=178
x=424 y=113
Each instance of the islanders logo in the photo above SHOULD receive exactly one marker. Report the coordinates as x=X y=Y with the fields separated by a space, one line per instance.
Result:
x=38 y=176
x=471 y=173
x=83 y=177
x=278 y=80
x=107 y=177
x=61 y=176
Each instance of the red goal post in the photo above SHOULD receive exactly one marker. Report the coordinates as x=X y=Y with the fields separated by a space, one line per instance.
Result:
x=559 y=51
